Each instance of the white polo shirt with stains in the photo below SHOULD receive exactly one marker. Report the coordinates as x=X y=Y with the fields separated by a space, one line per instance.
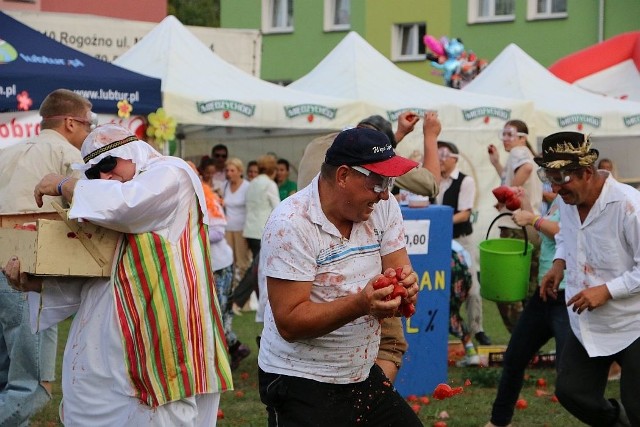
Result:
x=300 y=244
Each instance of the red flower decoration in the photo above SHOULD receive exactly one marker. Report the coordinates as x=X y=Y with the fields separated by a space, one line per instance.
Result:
x=486 y=119
x=226 y=114
x=24 y=102
x=310 y=118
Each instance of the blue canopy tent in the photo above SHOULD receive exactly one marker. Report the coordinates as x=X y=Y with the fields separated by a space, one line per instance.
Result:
x=32 y=65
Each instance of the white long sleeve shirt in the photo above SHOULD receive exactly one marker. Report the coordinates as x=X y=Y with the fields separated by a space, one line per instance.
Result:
x=604 y=249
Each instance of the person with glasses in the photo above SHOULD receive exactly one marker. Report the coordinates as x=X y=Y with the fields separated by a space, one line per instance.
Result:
x=218 y=180
x=27 y=360
x=146 y=346
x=518 y=171
x=322 y=249
x=422 y=181
x=458 y=190
x=598 y=254
x=540 y=320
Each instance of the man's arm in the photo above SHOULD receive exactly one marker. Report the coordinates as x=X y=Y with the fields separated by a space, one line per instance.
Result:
x=297 y=317
x=425 y=180
x=431 y=128
x=406 y=123
x=523 y=173
x=494 y=158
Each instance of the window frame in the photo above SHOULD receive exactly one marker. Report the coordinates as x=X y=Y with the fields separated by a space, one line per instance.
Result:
x=534 y=15
x=397 y=42
x=267 y=12
x=330 y=15
x=474 y=18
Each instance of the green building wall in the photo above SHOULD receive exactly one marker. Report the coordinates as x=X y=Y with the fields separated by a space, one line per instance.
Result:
x=289 y=56
x=546 y=40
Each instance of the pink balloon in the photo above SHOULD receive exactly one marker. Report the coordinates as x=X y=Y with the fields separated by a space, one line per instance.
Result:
x=433 y=45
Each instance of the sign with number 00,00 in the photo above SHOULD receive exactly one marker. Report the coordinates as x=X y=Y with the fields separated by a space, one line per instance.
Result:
x=416 y=236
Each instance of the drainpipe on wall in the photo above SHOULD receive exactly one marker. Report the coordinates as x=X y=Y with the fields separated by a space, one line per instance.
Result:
x=601 y=21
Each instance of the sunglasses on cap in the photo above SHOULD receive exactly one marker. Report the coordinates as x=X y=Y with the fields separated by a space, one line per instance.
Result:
x=374 y=182
x=105 y=165
x=556 y=177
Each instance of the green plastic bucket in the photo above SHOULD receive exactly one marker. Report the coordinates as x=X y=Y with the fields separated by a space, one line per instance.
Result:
x=504 y=267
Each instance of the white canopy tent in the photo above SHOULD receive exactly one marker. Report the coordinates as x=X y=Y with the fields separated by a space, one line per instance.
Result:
x=200 y=88
x=560 y=106
x=216 y=102
x=355 y=70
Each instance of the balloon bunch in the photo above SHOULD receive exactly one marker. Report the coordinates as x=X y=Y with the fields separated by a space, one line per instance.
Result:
x=458 y=66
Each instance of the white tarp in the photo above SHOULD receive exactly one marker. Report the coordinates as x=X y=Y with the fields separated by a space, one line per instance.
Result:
x=559 y=105
x=621 y=81
x=200 y=88
x=107 y=38
x=354 y=69
x=611 y=67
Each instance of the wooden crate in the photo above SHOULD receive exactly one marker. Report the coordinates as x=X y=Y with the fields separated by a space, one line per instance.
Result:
x=53 y=249
x=10 y=221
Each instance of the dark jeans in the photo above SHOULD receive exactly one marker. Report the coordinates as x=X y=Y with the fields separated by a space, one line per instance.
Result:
x=582 y=380
x=249 y=282
x=293 y=401
x=538 y=323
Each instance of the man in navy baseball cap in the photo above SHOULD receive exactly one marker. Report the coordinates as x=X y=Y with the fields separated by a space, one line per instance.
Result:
x=324 y=247
x=369 y=149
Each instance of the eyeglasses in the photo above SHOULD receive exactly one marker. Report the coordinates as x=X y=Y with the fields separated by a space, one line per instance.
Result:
x=105 y=165
x=444 y=154
x=374 y=182
x=506 y=134
x=219 y=156
x=556 y=177
x=92 y=121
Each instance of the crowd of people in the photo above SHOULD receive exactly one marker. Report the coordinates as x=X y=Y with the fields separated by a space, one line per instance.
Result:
x=154 y=344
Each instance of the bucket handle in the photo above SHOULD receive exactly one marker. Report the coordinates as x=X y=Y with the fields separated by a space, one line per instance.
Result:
x=526 y=238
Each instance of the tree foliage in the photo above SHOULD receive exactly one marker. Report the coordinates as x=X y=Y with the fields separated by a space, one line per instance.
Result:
x=205 y=13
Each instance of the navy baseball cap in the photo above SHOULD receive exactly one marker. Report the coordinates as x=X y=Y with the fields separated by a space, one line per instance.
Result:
x=370 y=149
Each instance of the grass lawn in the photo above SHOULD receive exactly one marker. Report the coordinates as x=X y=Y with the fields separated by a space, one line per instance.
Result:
x=242 y=407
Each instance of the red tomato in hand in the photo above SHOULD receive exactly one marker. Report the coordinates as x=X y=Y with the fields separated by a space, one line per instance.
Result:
x=512 y=203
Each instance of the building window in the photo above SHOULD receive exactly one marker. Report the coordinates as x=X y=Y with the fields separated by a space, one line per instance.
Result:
x=546 y=9
x=407 y=42
x=480 y=11
x=337 y=15
x=277 y=16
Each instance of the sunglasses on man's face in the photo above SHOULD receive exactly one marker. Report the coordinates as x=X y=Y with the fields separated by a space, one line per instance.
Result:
x=374 y=182
x=559 y=177
x=105 y=165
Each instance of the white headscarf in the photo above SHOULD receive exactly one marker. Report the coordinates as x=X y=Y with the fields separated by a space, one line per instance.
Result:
x=116 y=141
